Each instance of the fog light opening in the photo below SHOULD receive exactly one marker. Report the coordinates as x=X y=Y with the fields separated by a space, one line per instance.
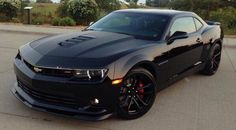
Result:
x=95 y=101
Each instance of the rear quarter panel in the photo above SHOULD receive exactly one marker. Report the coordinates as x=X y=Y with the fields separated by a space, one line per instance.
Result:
x=211 y=34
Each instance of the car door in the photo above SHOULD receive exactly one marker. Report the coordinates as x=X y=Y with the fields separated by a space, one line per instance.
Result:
x=184 y=53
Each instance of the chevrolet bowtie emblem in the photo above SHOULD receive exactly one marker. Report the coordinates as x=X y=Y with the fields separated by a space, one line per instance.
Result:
x=36 y=69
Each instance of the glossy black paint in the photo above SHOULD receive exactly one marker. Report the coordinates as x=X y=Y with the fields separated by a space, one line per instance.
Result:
x=117 y=52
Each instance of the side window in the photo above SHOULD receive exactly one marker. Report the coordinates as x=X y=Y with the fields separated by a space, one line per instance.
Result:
x=198 y=24
x=185 y=24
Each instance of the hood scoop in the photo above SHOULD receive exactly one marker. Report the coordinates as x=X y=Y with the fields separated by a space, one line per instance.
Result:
x=75 y=41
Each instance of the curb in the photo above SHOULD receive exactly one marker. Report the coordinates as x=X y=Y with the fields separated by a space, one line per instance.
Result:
x=230 y=36
x=28 y=32
x=230 y=46
x=38 y=29
x=45 y=26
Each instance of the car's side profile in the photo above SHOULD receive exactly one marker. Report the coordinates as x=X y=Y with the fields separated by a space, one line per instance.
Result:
x=117 y=64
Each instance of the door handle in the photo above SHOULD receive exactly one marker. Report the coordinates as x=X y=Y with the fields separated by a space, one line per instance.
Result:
x=163 y=62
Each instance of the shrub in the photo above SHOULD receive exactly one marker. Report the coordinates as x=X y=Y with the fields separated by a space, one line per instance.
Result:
x=62 y=9
x=4 y=18
x=83 y=11
x=9 y=8
x=67 y=21
x=15 y=20
x=45 y=10
x=38 y=20
x=43 y=1
x=56 y=21
x=108 y=5
x=226 y=16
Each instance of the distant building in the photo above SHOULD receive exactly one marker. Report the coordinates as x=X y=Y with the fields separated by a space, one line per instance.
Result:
x=157 y=3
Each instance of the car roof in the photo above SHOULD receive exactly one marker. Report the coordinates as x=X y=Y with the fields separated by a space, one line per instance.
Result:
x=167 y=12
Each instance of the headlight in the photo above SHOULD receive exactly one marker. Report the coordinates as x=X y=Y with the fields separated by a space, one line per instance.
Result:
x=91 y=74
x=18 y=56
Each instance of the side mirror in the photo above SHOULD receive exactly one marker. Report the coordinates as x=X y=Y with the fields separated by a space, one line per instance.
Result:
x=177 y=35
x=91 y=23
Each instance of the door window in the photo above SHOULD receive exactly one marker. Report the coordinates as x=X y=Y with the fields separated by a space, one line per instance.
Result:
x=184 y=24
x=198 y=24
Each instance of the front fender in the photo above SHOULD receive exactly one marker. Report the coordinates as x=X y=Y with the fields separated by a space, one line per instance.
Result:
x=123 y=65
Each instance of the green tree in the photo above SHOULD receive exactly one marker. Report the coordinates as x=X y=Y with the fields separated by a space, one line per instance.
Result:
x=225 y=16
x=43 y=1
x=83 y=11
x=202 y=7
x=206 y=5
x=227 y=3
x=108 y=5
x=135 y=1
x=132 y=1
x=26 y=1
x=9 y=8
x=182 y=5
x=157 y=3
x=62 y=9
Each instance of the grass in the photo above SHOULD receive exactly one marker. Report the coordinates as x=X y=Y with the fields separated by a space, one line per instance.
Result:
x=44 y=8
x=230 y=31
x=43 y=12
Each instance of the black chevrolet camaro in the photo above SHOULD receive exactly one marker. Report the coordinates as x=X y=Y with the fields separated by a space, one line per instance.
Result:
x=116 y=65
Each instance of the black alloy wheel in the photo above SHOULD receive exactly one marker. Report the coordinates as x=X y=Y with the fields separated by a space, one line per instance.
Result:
x=215 y=60
x=213 y=63
x=137 y=94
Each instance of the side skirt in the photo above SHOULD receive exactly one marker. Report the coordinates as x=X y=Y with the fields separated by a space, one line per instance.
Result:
x=194 y=69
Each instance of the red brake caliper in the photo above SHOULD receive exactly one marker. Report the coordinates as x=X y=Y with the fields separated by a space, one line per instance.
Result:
x=141 y=90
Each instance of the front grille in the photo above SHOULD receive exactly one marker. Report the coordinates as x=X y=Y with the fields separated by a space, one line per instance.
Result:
x=57 y=100
x=50 y=71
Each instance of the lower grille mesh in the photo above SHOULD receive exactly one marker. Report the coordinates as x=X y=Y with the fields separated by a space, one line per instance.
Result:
x=46 y=97
x=72 y=103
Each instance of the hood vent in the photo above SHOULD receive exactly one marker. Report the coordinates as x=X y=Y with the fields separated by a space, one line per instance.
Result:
x=75 y=40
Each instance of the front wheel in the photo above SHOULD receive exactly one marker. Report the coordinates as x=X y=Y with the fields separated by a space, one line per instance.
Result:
x=137 y=94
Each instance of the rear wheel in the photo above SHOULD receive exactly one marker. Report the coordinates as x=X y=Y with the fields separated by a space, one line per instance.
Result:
x=137 y=94
x=213 y=62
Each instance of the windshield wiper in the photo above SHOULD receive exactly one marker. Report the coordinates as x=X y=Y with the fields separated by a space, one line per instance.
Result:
x=124 y=33
x=88 y=29
x=145 y=37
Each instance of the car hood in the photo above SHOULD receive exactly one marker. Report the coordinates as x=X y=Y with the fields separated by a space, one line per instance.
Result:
x=89 y=44
x=88 y=49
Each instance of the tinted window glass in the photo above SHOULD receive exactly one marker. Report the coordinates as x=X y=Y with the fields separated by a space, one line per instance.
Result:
x=198 y=24
x=185 y=24
x=136 y=24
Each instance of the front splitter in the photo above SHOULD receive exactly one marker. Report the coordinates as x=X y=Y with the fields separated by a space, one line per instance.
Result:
x=54 y=109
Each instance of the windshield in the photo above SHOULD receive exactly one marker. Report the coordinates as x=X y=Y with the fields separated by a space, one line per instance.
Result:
x=140 y=25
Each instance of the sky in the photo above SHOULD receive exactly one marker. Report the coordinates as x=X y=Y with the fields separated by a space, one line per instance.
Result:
x=140 y=1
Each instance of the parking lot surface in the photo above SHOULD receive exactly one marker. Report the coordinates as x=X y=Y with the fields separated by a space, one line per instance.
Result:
x=196 y=102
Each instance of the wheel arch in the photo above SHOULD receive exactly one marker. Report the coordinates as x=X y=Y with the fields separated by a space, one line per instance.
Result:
x=148 y=65
x=218 y=41
x=133 y=63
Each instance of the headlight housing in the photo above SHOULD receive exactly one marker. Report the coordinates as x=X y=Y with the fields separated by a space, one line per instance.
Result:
x=18 y=56
x=91 y=74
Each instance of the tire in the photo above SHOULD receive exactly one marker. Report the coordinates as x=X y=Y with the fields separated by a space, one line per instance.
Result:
x=213 y=61
x=137 y=94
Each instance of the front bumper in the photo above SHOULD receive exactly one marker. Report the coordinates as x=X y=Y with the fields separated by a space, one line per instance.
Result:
x=60 y=96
